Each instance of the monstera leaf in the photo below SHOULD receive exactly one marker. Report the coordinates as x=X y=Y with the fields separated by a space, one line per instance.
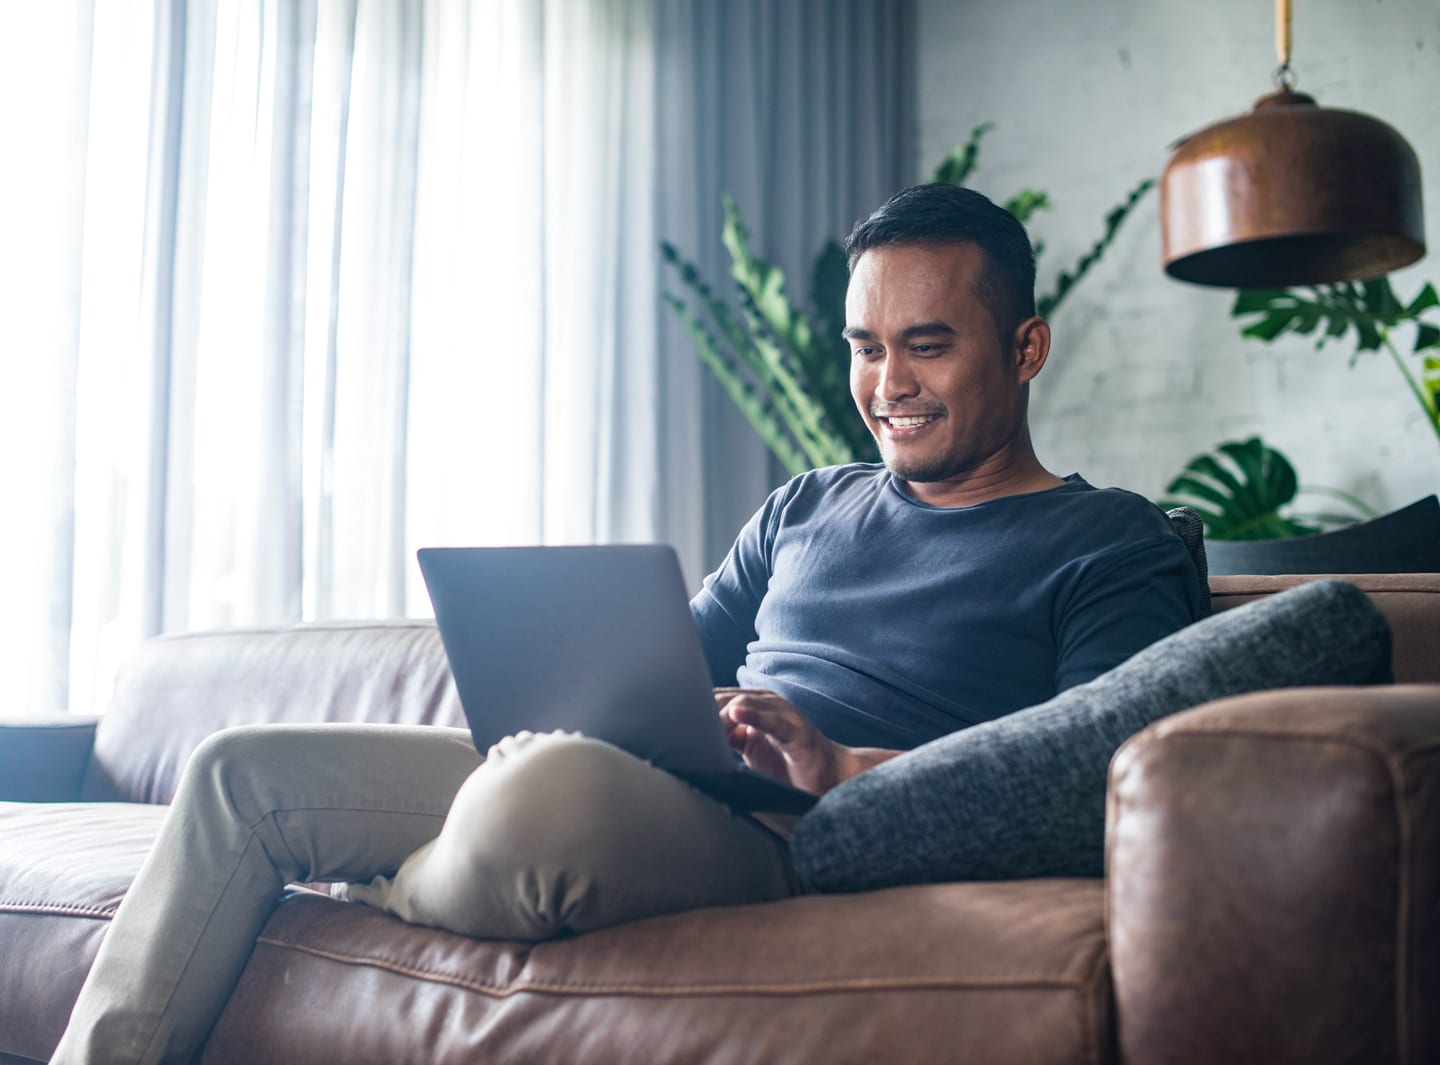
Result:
x=1371 y=311
x=1238 y=491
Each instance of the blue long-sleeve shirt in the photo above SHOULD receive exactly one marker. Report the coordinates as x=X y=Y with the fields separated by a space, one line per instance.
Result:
x=890 y=622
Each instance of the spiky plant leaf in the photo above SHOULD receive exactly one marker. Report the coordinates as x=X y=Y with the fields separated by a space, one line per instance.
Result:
x=1046 y=305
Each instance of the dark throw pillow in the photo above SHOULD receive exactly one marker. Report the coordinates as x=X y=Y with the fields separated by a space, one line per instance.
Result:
x=1024 y=795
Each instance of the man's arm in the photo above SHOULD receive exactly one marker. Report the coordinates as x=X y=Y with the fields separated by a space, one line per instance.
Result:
x=1123 y=601
x=776 y=739
x=725 y=607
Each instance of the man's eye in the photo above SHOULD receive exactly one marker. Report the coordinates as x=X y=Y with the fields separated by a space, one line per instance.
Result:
x=864 y=352
x=925 y=349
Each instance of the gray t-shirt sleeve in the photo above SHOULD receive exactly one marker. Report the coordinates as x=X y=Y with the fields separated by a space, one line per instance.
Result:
x=725 y=607
x=1123 y=601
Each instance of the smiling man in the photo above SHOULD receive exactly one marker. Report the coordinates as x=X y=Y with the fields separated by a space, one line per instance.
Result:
x=945 y=396
x=870 y=608
x=864 y=611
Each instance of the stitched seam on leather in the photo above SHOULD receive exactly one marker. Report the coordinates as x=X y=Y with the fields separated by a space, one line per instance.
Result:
x=1402 y=917
x=1114 y=811
x=57 y=908
x=1089 y=1022
x=1360 y=743
x=677 y=990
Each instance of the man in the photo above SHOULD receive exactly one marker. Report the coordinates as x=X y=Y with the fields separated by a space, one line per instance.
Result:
x=863 y=611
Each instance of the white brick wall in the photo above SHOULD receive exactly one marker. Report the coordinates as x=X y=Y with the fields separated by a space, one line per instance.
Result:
x=1087 y=95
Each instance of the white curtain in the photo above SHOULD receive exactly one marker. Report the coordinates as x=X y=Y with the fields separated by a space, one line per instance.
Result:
x=301 y=285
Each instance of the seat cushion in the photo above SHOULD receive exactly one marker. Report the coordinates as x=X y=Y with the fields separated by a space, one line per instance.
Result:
x=999 y=973
x=63 y=869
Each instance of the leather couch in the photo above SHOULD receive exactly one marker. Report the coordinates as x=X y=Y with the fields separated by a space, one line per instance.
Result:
x=1272 y=895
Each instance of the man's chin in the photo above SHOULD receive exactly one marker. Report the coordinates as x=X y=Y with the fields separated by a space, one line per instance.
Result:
x=919 y=471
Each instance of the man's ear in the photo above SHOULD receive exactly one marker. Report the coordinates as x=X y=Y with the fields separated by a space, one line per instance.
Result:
x=1030 y=347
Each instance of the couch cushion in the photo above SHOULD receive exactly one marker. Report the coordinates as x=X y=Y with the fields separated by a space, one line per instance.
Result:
x=65 y=868
x=1024 y=795
x=996 y=973
x=176 y=690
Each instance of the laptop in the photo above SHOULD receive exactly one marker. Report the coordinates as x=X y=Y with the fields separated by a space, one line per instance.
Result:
x=597 y=640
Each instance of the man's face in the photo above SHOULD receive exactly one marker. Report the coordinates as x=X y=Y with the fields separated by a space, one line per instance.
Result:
x=940 y=391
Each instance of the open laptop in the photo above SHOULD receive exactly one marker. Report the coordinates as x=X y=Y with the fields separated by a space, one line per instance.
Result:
x=596 y=640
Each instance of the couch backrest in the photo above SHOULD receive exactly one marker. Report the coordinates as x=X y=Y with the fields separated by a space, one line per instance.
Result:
x=176 y=690
x=1409 y=601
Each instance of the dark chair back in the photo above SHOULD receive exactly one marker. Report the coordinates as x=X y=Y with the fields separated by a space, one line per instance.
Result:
x=1404 y=541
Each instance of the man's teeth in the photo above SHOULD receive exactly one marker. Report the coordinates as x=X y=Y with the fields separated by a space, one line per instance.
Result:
x=911 y=422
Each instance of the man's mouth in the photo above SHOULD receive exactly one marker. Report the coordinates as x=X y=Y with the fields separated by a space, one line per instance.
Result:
x=905 y=422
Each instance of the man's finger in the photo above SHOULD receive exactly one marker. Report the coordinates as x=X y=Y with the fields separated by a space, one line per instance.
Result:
x=779 y=723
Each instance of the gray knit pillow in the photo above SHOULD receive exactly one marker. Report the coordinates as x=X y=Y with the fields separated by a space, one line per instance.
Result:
x=1191 y=530
x=1024 y=795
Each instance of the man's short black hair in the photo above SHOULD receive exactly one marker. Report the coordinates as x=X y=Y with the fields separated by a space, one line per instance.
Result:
x=950 y=214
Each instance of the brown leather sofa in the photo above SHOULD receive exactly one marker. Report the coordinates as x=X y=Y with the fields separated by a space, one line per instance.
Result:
x=1272 y=895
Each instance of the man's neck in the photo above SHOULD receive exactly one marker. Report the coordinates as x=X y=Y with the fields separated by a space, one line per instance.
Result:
x=1020 y=475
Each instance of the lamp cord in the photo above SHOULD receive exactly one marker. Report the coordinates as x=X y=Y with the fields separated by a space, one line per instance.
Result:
x=1284 y=75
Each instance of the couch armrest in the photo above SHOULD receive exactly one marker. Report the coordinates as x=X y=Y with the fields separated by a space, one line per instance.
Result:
x=43 y=759
x=1273 y=880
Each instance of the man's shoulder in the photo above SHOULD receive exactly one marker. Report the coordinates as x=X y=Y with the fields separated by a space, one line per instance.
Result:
x=1107 y=514
x=836 y=482
x=849 y=475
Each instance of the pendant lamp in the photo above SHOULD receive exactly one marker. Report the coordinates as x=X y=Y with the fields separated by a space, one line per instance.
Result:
x=1290 y=194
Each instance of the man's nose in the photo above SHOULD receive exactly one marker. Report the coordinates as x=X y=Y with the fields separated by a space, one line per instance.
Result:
x=897 y=380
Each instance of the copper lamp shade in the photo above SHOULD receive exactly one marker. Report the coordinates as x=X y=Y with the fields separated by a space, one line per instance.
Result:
x=1291 y=194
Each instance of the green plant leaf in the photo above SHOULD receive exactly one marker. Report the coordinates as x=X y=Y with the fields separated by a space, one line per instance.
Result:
x=1427 y=336
x=827 y=363
x=1047 y=304
x=1369 y=335
x=1380 y=301
x=1268 y=474
x=1240 y=489
x=1194 y=486
x=1307 y=319
x=1430 y=381
x=761 y=416
x=1025 y=203
x=1272 y=325
x=1427 y=298
x=829 y=278
x=1254 y=300
x=956 y=167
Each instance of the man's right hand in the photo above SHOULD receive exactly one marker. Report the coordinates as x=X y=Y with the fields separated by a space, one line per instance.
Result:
x=777 y=739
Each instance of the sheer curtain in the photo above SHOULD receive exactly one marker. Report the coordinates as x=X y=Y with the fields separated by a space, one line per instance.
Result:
x=297 y=286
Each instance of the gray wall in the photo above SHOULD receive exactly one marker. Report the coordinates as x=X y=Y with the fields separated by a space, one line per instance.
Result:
x=1145 y=371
